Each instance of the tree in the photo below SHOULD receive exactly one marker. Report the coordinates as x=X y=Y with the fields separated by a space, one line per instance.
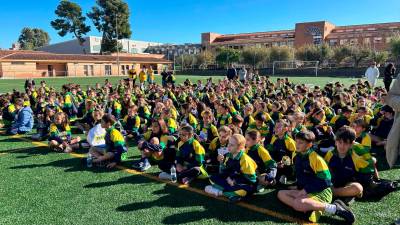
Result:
x=358 y=53
x=340 y=53
x=186 y=60
x=205 y=58
x=325 y=52
x=254 y=56
x=32 y=39
x=70 y=20
x=395 y=46
x=308 y=53
x=379 y=57
x=226 y=56
x=281 y=53
x=111 y=17
x=314 y=53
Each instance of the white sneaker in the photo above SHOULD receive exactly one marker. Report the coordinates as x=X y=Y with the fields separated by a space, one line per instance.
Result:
x=213 y=191
x=164 y=176
x=283 y=179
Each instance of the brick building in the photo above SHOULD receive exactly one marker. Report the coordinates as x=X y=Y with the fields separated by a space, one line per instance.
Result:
x=377 y=36
x=23 y=64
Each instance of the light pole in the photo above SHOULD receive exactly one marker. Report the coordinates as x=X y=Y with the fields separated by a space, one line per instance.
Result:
x=116 y=31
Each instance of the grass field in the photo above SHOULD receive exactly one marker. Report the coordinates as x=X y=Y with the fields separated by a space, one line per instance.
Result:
x=10 y=84
x=42 y=187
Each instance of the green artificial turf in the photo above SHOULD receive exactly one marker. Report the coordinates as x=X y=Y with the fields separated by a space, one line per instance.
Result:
x=7 y=85
x=42 y=187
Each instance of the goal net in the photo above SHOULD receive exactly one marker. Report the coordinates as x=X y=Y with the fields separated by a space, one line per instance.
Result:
x=295 y=65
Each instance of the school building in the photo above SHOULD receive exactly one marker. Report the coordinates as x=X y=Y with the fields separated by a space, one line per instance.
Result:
x=377 y=36
x=24 y=64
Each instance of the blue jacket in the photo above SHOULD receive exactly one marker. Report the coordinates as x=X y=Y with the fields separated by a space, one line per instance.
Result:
x=24 y=120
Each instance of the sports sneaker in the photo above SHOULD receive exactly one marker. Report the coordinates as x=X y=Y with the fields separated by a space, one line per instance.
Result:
x=164 y=176
x=186 y=180
x=260 y=188
x=142 y=166
x=342 y=210
x=213 y=191
x=283 y=179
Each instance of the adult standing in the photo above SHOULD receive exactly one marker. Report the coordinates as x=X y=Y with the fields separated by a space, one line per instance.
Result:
x=389 y=74
x=164 y=75
x=243 y=74
x=393 y=139
x=372 y=74
x=232 y=73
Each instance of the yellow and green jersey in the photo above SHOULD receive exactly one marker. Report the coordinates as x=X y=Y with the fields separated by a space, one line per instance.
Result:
x=240 y=165
x=60 y=133
x=131 y=123
x=346 y=169
x=312 y=172
x=280 y=147
x=190 y=153
x=262 y=158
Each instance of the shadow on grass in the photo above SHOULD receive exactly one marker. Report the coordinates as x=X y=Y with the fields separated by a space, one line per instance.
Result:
x=135 y=179
x=212 y=209
x=70 y=165
x=41 y=150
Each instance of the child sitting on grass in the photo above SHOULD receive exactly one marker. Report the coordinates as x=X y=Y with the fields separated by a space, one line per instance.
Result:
x=266 y=166
x=350 y=171
x=282 y=147
x=189 y=157
x=115 y=144
x=237 y=178
x=364 y=140
x=313 y=192
x=60 y=139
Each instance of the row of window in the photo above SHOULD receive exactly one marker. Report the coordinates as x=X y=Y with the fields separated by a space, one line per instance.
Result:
x=270 y=44
x=375 y=40
x=88 y=70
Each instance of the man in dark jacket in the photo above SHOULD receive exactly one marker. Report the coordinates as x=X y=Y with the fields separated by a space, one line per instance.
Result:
x=232 y=73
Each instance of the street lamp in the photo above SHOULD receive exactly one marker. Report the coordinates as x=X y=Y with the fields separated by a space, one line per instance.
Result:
x=116 y=31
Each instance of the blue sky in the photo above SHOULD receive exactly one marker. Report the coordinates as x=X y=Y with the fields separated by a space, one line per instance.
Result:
x=182 y=21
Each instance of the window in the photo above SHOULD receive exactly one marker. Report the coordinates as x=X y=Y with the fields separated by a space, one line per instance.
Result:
x=124 y=69
x=343 y=41
x=107 y=70
x=91 y=70
x=388 y=39
x=353 y=41
x=366 y=41
x=86 y=70
x=377 y=39
x=333 y=42
x=17 y=63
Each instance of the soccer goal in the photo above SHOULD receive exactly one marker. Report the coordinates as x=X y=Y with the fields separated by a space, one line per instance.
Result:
x=295 y=64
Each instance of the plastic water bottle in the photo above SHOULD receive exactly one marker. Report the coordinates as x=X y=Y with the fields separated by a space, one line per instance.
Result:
x=173 y=174
x=89 y=160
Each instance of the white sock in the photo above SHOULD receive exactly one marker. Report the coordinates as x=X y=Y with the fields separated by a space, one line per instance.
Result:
x=330 y=208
